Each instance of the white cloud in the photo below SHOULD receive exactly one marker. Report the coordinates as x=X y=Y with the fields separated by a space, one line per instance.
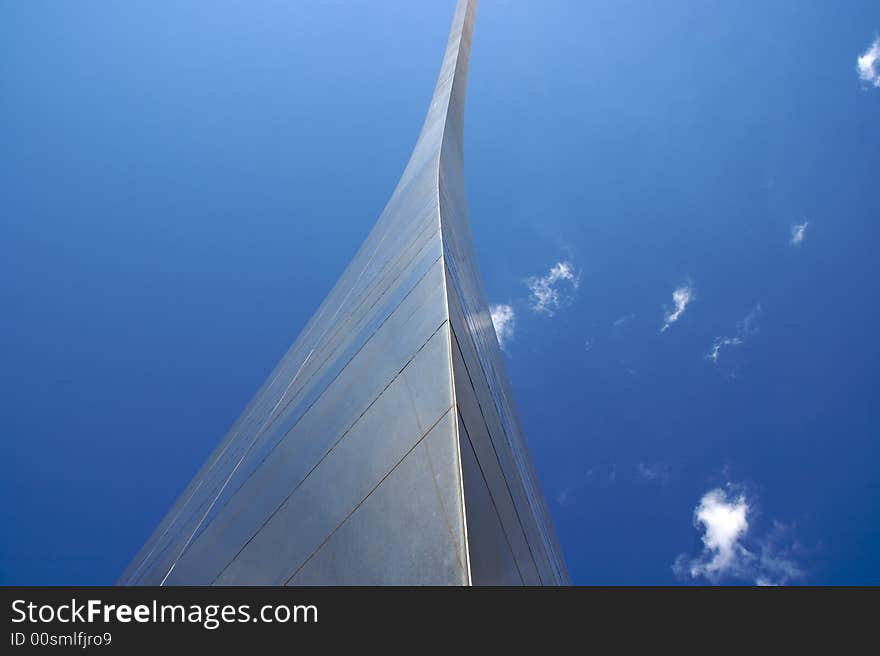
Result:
x=504 y=320
x=798 y=232
x=729 y=551
x=621 y=321
x=724 y=522
x=868 y=64
x=682 y=298
x=548 y=293
x=744 y=329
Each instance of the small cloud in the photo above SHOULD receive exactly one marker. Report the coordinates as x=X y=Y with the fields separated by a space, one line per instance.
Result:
x=749 y=325
x=682 y=298
x=730 y=551
x=562 y=497
x=798 y=232
x=658 y=472
x=504 y=320
x=744 y=329
x=598 y=474
x=724 y=522
x=621 y=321
x=602 y=475
x=554 y=291
x=868 y=64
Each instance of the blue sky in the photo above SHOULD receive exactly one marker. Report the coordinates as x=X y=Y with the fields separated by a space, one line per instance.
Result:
x=182 y=183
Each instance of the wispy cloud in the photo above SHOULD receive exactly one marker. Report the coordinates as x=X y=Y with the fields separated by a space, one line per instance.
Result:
x=744 y=329
x=621 y=321
x=730 y=551
x=719 y=344
x=657 y=472
x=555 y=290
x=798 y=232
x=776 y=565
x=602 y=475
x=868 y=64
x=504 y=320
x=682 y=297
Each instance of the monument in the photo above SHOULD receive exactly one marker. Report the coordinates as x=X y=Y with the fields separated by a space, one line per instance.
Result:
x=385 y=448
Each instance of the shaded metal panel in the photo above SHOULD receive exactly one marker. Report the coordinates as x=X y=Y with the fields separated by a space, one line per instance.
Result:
x=491 y=557
x=509 y=520
x=466 y=284
x=486 y=413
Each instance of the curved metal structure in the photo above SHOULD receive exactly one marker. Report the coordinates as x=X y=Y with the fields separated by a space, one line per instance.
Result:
x=385 y=447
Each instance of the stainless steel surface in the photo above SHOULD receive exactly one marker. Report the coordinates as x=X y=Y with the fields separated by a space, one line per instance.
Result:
x=385 y=447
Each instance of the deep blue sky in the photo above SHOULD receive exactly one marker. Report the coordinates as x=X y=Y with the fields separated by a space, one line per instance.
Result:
x=182 y=183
